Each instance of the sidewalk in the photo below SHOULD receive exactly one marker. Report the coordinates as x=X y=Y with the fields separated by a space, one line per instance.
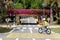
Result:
x=50 y=26
x=7 y=25
x=54 y=26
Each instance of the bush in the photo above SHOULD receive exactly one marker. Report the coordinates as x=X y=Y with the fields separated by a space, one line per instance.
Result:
x=58 y=21
x=4 y=30
x=18 y=5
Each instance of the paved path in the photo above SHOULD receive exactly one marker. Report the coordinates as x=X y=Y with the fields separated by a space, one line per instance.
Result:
x=50 y=26
x=29 y=32
x=34 y=35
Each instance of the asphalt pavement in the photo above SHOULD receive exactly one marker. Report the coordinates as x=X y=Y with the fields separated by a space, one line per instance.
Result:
x=28 y=32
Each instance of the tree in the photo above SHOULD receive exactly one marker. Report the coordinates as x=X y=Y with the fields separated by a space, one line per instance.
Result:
x=18 y=6
x=2 y=8
x=36 y=3
x=27 y=4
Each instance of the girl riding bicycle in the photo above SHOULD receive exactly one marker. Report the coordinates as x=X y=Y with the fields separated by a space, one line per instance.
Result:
x=45 y=23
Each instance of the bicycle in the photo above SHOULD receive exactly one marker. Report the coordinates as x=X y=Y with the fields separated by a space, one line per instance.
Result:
x=46 y=30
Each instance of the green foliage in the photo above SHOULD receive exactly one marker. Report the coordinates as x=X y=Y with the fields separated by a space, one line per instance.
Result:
x=3 y=11
x=4 y=30
x=25 y=3
x=28 y=3
x=56 y=30
x=58 y=21
x=36 y=3
x=15 y=1
x=11 y=6
x=18 y=5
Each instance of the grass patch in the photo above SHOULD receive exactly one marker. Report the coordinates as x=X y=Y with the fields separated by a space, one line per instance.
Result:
x=4 y=30
x=56 y=30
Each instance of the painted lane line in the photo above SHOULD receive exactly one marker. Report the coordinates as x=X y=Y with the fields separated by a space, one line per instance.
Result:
x=17 y=38
x=36 y=28
x=33 y=38
x=47 y=39
x=24 y=28
x=30 y=30
x=12 y=30
x=1 y=39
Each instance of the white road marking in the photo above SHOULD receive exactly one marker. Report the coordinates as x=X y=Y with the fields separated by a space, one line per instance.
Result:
x=12 y=30
x=17 y=38
x=47 y=39
x=1 y=39
x=33 y=39
x=24 y=28
x=36 y=28
x=30 y=30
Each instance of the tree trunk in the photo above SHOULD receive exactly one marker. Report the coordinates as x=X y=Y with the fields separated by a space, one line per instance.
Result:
x=51 y=16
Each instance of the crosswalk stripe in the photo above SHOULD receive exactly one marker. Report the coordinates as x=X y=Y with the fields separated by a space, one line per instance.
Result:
x=47 y=39
x=29 y=28
x=35 y=28
x=33 y=39
x=24 y=28
x=31 y=31
x=17 y=38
